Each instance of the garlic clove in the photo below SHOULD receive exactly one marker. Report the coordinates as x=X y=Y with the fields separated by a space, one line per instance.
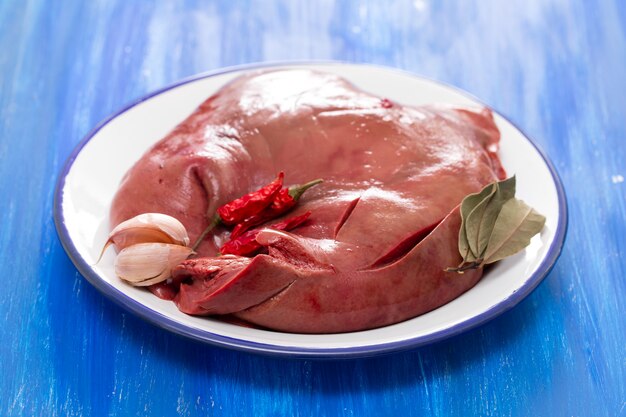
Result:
x=147 y=227
x=149 y=263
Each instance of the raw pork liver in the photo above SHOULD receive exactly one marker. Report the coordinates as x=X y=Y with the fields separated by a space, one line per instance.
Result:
x=385 y=221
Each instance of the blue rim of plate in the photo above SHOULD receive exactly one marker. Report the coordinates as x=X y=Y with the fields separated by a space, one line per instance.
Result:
x=169 y=324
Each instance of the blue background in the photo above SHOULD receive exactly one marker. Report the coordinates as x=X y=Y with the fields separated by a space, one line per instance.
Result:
x=557 y=68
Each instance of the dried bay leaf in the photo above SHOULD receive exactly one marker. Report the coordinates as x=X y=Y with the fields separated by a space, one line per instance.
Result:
x=504 y=192
x=515 y=225
x=464 y=248
x=469 y=205
x=494 y=225
x=481 y=224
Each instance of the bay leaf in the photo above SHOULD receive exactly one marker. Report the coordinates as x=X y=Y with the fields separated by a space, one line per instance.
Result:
x=464 y=248
x=516 y=224
x=468 y=205
x=481 y=220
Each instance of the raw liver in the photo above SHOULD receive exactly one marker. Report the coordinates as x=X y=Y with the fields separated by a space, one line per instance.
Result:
x=365 y=258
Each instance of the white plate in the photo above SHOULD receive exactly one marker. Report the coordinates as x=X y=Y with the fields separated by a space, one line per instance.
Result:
x=94 y=170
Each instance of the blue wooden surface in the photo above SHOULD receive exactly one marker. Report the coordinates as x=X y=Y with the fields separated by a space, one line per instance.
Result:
x=556 y=68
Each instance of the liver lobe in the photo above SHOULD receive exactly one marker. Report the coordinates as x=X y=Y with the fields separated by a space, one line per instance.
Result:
x=390 y=173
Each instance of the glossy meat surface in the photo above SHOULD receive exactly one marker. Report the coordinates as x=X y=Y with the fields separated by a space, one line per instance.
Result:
x=367 y=256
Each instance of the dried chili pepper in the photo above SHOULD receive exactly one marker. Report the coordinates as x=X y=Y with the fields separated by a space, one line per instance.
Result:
x=246 y=243
x=250 y=204
x=243 y=207
x=258 y=207
x=283 y=201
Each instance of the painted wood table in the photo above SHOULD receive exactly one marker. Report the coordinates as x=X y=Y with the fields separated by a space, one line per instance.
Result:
x=556 y=68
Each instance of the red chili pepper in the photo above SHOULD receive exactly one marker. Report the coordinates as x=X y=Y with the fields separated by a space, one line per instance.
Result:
x=283 y=201
x=243 y=207
x=246 y=243
x=250 y=204
x=256 y=208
